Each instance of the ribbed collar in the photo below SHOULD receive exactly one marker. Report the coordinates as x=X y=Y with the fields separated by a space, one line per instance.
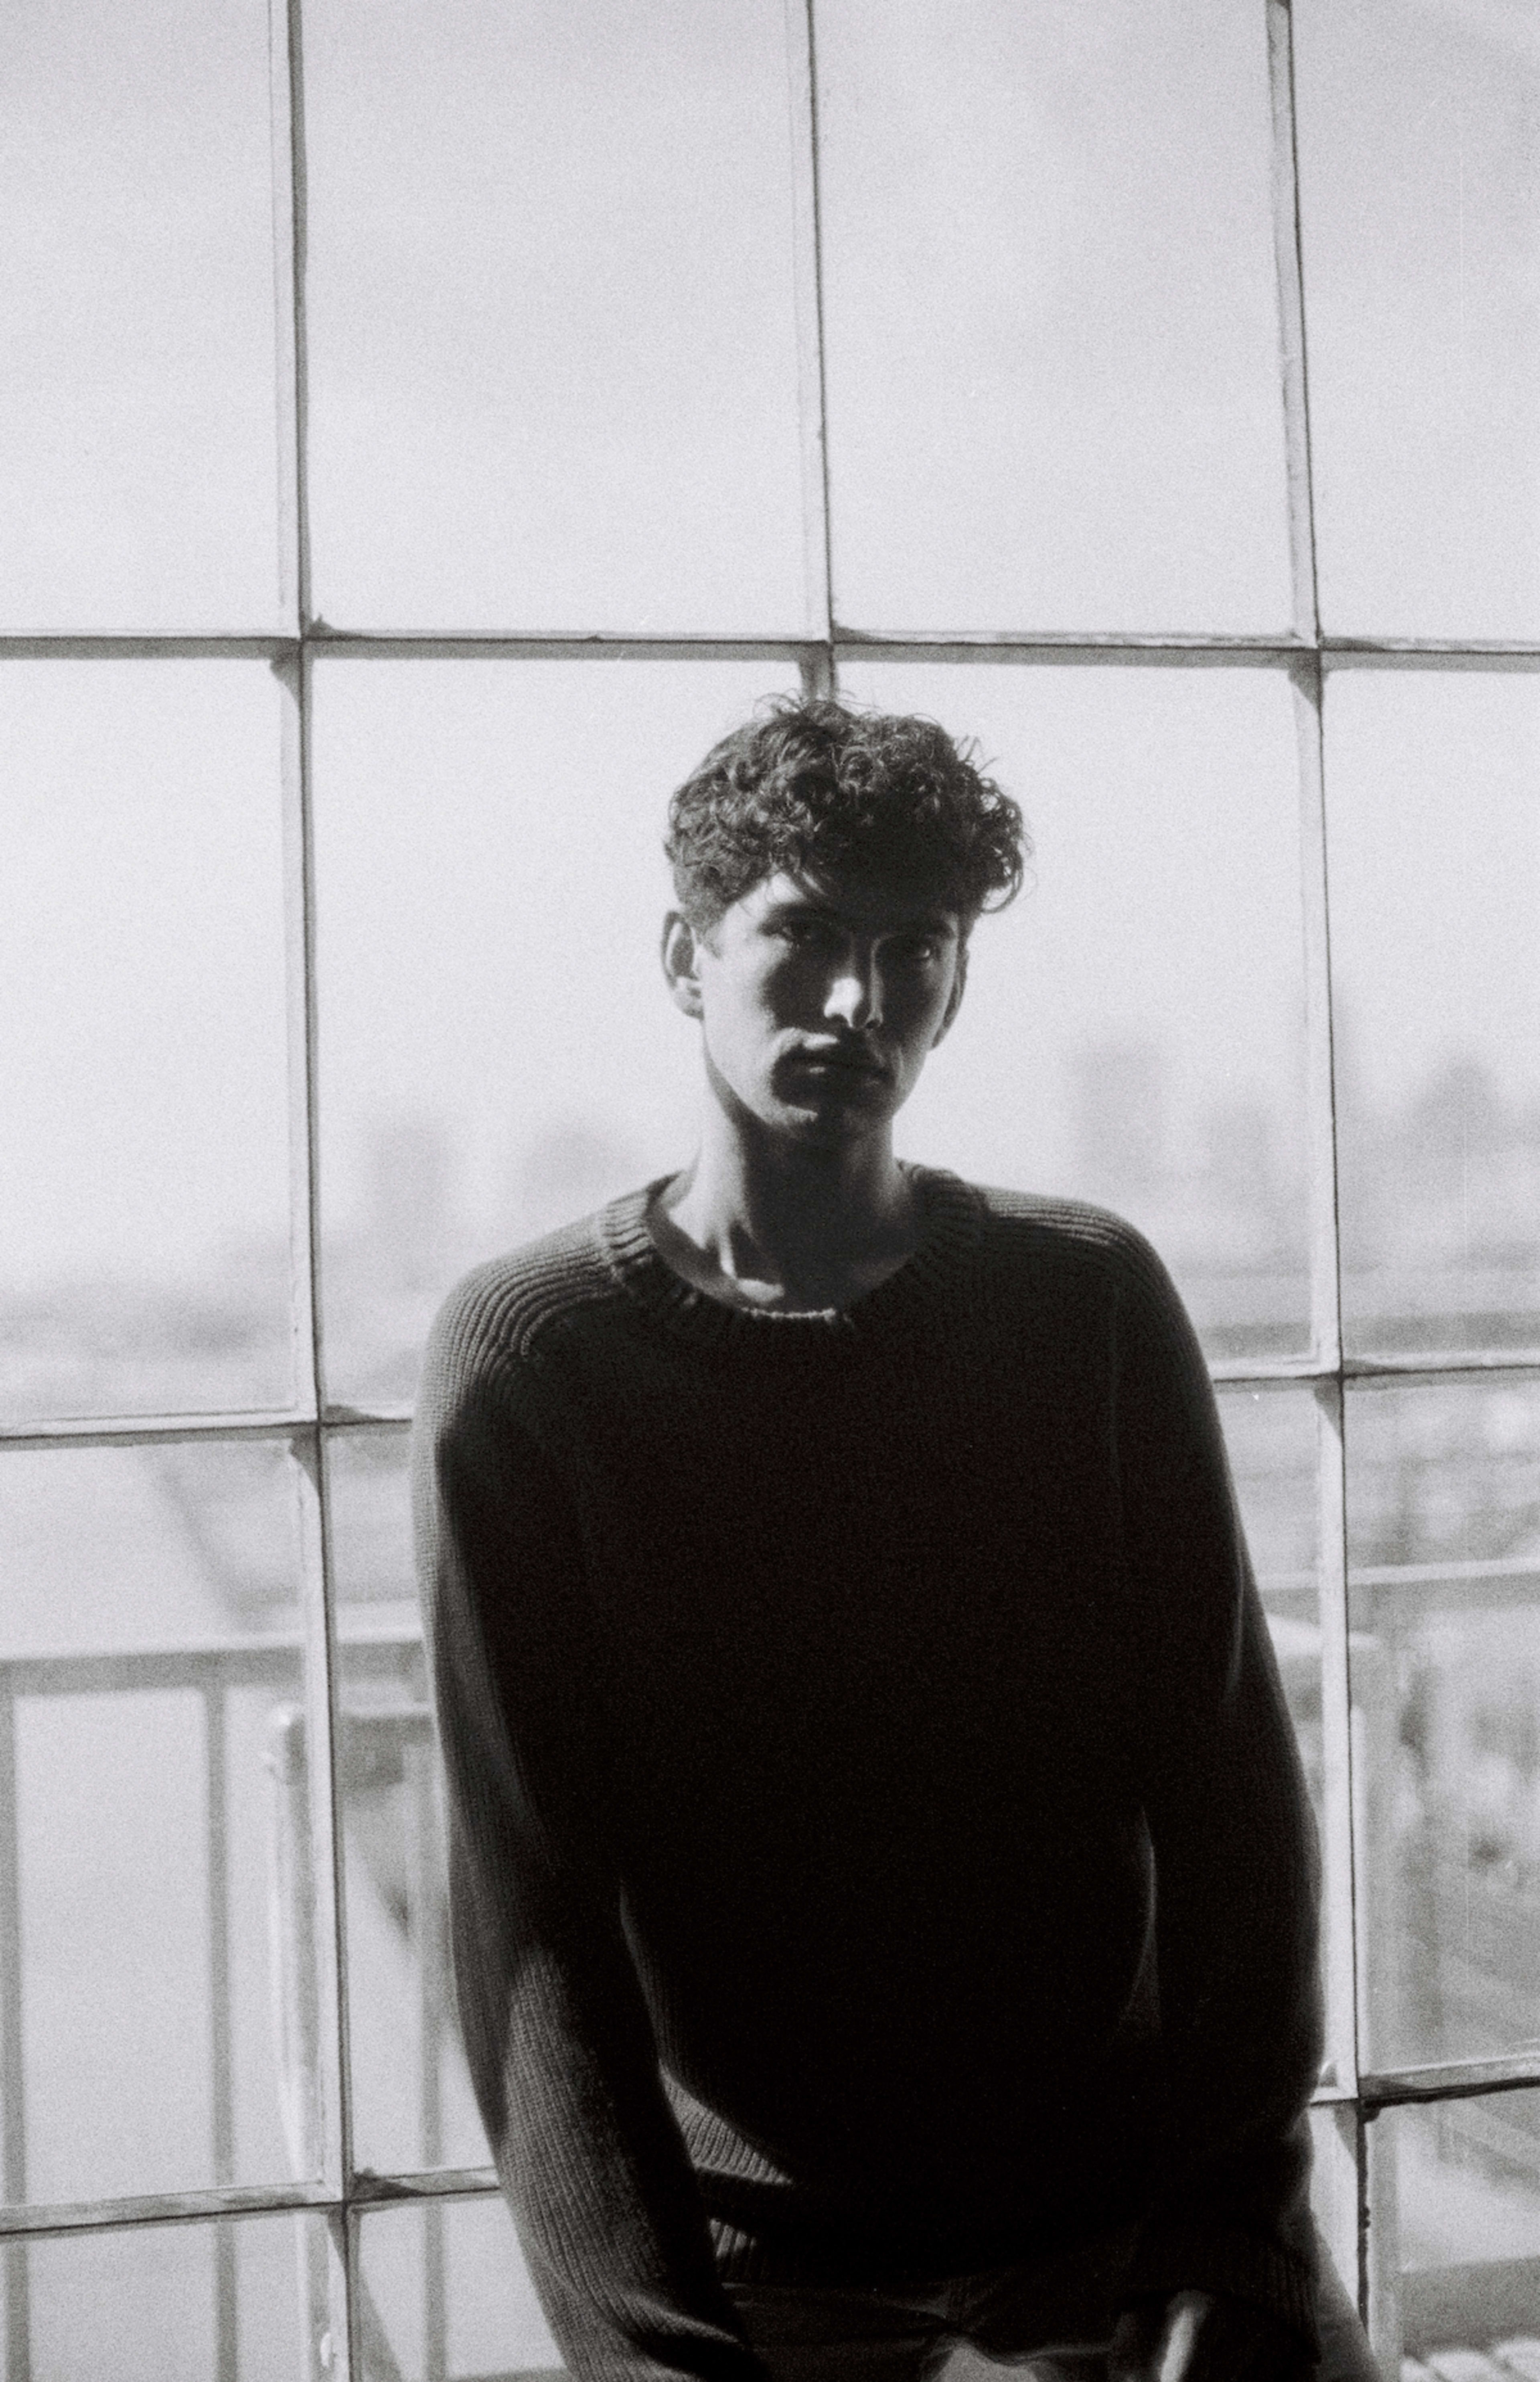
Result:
x=951 y=1222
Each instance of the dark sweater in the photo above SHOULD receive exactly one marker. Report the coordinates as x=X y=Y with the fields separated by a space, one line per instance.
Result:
x=875 y=1826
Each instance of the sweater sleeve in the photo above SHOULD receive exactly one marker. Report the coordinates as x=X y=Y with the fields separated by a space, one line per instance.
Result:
x=557 y=2036
x=1237 y=1876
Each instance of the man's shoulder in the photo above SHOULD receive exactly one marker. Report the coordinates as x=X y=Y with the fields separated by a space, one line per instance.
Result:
x=1038 y=1228
x=500 y=1314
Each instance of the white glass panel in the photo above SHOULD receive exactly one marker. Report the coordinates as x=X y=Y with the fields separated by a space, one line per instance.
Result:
x=552 y=317
x=498 y=1051
x=1444 y=1508
x=153 y=1666
x=1133 y=1028
x=1434 y=820
x=448 y=2294
x=247 y=2302
x=1050 y=305
x=1418 y=124
x=1273 y=1441
x=1333 y=2187
x=412 y=2102
x=144 y=1203
x=139 y=403
x=1454 y=2220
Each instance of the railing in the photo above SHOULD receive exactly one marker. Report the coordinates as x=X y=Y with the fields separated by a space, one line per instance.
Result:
x=386 y=1738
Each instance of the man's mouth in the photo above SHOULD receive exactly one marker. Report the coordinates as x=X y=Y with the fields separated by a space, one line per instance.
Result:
x=848 y=1063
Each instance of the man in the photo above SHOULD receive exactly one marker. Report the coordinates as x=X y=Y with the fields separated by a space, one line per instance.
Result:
x=883 y=1888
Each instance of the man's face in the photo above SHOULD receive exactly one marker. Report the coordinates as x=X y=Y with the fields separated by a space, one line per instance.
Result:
x=821 y=1000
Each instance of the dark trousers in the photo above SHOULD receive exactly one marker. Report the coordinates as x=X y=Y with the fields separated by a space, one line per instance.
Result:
x=1055 y=2313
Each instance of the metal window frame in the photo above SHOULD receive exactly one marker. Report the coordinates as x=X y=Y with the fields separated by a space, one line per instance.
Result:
x=311 y=1424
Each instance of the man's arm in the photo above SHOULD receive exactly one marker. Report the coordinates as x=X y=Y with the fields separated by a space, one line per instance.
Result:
x=557 y=2036
x=1236 y=1866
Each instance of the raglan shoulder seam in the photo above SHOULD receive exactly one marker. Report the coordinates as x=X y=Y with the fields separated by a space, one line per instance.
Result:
x=497 y=1321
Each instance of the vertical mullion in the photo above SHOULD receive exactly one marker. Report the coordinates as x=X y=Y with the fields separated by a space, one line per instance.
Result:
x=807 y=273
x=13 y=2069
x=326 y=1697
x=221 y=2047
x=432 y=1983
x=1341 y=1880
x=282 y=181
x=1293 y=362
x=322 y=1685
x=1343 y=1885
x=289 y=228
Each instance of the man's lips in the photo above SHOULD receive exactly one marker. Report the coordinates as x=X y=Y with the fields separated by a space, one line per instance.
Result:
x=848 y=1063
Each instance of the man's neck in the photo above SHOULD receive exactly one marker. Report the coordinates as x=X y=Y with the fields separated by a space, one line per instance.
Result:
x=789 y=1230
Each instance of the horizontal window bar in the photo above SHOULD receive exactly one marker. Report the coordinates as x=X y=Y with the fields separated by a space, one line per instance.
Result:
x=1409 y=653
x=158 y=1431
x=80 y=649
x=1063 y=645
x=1460 y=2080
x=1268 y=1372
x=162 y=2208
x=1079 y=644
x=18 y=2219
x=948 y=644
x=424 y=2183
x=1462 y=1364
x=1230 y=1372
x=607 y=645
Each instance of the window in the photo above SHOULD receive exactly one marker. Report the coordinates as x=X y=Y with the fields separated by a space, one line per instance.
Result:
x=428 y=430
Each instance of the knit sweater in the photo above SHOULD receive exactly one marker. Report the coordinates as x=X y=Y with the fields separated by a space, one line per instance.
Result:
x=877 y=1844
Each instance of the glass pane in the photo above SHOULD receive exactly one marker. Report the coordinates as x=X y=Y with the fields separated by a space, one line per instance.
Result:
x=1051 y=316
x=1434 y=855
x=1272 y=1438
x=1418 y=121
x=498 y=1052
x=412 y=2102
x=153 y=1667
x=145 y=1188
x=1444 y=1508
x=585 y=413
x=446 y=2295
x=138 y=406
x=1134 y=1030
x=1333 y=2187
x=1456 y=2201
x=247 y=2301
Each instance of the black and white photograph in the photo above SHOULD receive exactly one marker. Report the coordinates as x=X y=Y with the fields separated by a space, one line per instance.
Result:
x=770 y=1190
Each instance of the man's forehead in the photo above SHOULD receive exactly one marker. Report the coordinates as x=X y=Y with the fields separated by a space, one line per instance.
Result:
x=855 y=899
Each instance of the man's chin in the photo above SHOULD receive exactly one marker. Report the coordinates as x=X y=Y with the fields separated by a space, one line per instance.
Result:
x=831 y=1123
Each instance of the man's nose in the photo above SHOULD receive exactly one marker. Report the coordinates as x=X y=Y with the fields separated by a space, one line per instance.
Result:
x=855 y=995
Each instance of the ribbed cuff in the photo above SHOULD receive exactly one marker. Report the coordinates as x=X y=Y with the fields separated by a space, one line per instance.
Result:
x=1240 y=2265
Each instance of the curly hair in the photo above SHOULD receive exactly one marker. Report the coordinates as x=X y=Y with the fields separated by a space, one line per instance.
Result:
x=809 y=787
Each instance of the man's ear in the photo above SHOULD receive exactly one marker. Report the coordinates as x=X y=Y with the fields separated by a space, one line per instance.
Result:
x=680 y=954
x=954 y=999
